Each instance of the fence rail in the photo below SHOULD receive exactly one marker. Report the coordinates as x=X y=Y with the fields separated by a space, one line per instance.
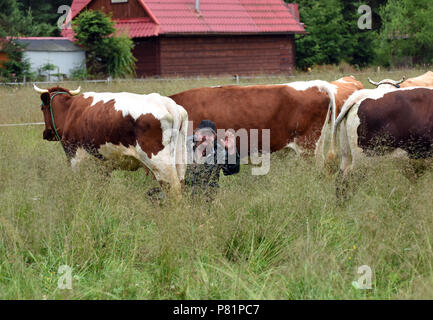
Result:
x=22 y=124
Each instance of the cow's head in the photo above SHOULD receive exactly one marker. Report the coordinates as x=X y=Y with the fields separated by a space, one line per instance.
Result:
x=387 y=83
x=47 y=96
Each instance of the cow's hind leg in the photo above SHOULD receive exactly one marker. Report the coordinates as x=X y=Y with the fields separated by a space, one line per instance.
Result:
x=341 y=181
x=294 y=145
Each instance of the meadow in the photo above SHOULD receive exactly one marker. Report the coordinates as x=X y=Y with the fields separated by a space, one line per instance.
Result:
x=278 y=236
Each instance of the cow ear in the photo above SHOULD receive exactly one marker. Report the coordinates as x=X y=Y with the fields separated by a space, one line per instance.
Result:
x=45 y=97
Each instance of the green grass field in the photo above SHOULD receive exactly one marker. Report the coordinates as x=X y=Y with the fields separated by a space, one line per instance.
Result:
x=279 y=236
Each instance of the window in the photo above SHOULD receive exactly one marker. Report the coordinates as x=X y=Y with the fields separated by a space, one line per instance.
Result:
x=119 y=1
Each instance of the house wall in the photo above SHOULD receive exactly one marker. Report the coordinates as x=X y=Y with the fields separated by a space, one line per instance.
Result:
x=66 y=61
x=146 y=51
x=231 y=54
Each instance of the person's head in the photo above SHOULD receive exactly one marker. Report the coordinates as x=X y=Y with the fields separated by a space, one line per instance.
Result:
x=205 y=134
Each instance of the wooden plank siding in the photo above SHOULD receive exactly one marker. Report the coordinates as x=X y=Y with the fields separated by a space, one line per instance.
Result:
x=230 y=54
x=146 y=51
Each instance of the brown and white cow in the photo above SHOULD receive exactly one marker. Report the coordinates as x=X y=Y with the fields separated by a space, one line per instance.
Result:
x=384 y=119
x=131 y=129
x=294 y=113
x=425 y=80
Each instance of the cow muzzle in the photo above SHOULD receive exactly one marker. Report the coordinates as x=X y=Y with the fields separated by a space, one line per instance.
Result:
x=49 y=135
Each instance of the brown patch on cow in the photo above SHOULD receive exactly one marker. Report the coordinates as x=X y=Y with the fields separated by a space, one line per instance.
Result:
x=400 y=119
x=288 y=113
x=345 y=90
x=149 y=133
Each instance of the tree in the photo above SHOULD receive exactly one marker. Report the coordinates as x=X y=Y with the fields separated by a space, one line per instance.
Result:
x=358 y=43
x=17 y=21
x=45 y=14
x=14 y=23
x=324 y=43
x=16 y=68
x=407 y=31
x=333 y=32
x=108 y=54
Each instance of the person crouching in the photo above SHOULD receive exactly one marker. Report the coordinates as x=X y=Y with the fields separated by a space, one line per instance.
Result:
x=207 y=157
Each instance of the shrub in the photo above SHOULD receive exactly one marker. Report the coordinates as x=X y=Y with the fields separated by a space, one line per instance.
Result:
x=108 y=54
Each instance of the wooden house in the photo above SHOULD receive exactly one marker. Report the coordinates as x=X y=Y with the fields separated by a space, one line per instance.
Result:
x=205 y=37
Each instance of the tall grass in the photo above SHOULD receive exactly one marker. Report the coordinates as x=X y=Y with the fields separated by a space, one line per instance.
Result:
x=279 y=236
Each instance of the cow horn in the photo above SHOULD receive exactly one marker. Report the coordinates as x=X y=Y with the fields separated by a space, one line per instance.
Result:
x=39 y=90
x=402 y=80
x=75 y=92
x=372 y=82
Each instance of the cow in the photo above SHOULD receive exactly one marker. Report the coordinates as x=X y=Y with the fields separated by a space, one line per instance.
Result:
x=132 y=130
x=294 y=113
x=425 y=80
x=374 y=122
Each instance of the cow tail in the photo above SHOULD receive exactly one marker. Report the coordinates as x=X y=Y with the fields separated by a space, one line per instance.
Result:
x=332 y=154
x=332 y=110
x=174 y=134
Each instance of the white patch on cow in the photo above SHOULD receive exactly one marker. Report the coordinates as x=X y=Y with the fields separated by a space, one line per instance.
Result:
x=341 y=80
x=126 y=158
x=133 y=104
x=320 y=84
x=112 y=151
x=80 y=156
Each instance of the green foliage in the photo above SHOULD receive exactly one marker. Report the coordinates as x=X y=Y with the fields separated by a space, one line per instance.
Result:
x=121 y=60
x=407 y=32
x=79 y=73
x=108 y=54
x=324 y=43
x=45 y=71
x=45 y=14
x=15 y=20
x=358 y=44
x=17 y=67
x=48 y=67
x=333 y=34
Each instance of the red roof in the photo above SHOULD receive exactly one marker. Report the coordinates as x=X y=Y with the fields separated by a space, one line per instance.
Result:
x=215 y=16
